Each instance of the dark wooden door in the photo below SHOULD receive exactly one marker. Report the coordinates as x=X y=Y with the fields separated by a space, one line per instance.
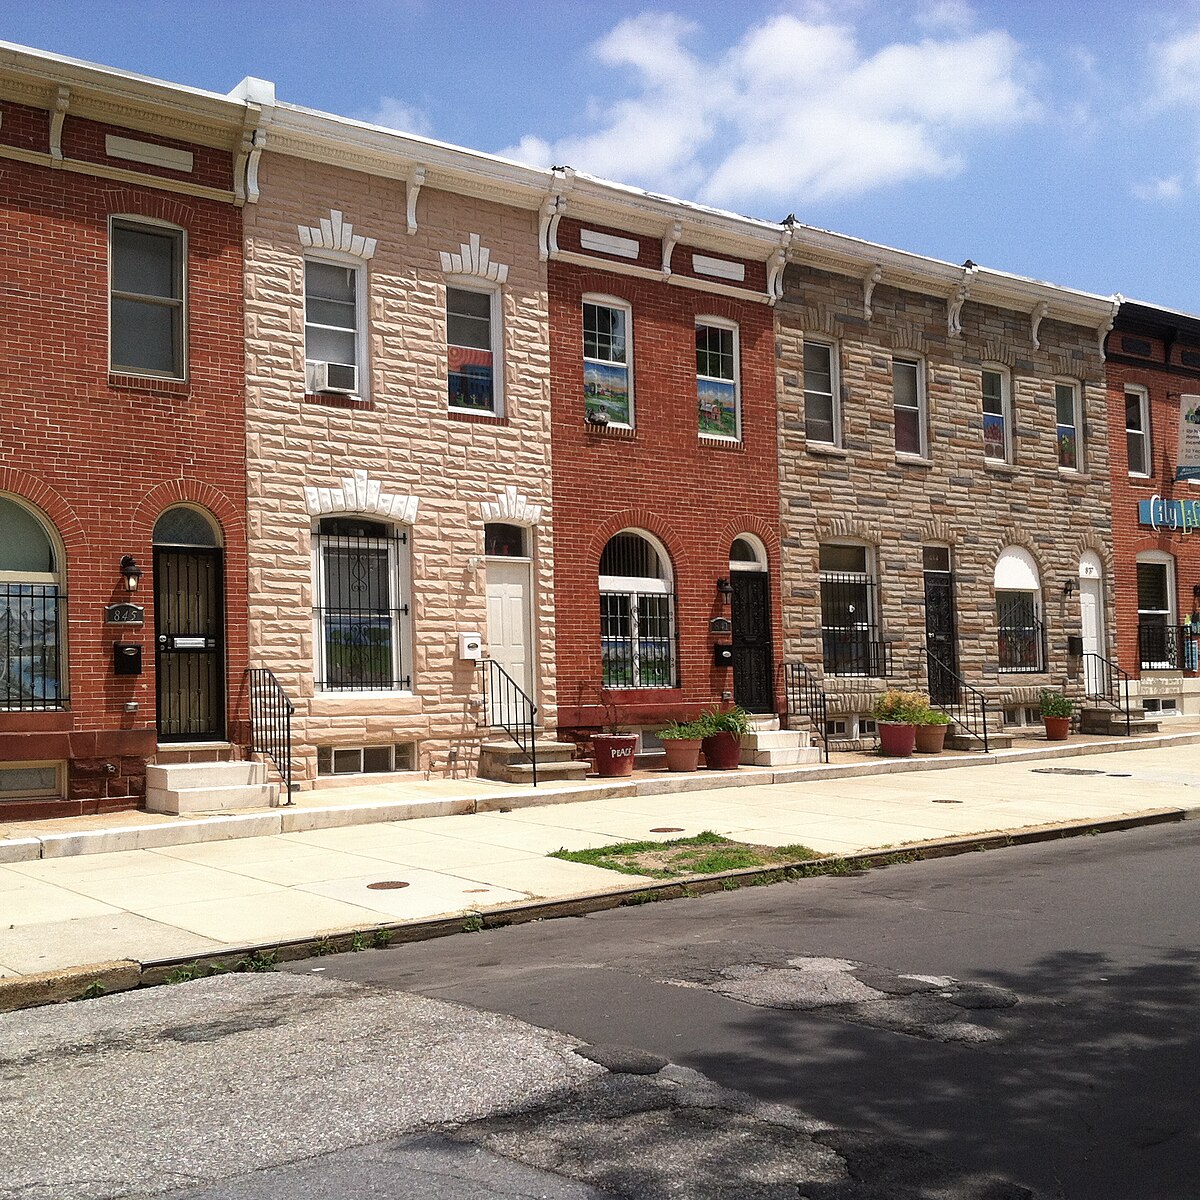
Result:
x=189 y=624
x=752 y=650
x=940 y=637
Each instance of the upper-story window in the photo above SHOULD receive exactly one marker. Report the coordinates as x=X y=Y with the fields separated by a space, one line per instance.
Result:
x=908 y=400
x=822 y=421
x=473 y=349
x=607 y=359
x=333 y=327
x=1137 y=430
x=146 y=299
x=1067 y=426
x=717 y=379
x=997 y=415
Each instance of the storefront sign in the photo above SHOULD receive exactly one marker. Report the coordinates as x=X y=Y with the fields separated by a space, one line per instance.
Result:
x=1176 y=516
x=1187 y=464
x=124 y=614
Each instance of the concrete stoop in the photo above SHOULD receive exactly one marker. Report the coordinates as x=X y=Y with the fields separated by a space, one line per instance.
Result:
x=193 y=752
x=208 y=787
x=506 y=762
x=997 y=740
x=765 y=744
x=1110 y=723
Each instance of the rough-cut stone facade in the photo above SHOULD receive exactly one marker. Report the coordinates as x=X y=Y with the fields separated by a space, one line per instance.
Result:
x=864 y=492
x=405 y=440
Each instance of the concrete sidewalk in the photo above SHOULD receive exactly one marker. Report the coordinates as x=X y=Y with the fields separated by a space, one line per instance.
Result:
x=178 y=901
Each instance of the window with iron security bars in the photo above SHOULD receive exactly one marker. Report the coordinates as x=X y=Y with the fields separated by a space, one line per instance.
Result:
x=362 y=623
x=850 y=639
x=1020 y=633
x=32 y=619
x=638 y=640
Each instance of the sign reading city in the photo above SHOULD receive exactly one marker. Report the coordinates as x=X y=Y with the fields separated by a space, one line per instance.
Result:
x=1187 y=462
x=1174 y=516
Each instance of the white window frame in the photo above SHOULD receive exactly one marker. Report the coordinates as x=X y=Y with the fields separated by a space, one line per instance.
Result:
x=1077 y=407
x=1143 y=398
x=496 y=330
x=634 y=585
x=602 y=301
x=835 y=396
x=55 y=792
x=1006 y=408
x=1167 y=561
x=133 y=219
x=723 y=323
x=334 y=258
x=922 y=409
x=869 y=625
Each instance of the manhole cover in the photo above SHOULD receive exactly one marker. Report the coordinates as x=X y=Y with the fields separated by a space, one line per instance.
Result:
x=947 y=802
x=667 y=829
x=1064 y=771
x=386 y=885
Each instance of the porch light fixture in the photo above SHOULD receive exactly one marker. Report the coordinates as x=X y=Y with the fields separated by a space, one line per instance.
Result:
x=1069 y=588
x=725 y=590
x=131 y=572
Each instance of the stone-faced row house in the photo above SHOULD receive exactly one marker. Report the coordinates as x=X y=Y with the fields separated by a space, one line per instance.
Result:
x=416 y=444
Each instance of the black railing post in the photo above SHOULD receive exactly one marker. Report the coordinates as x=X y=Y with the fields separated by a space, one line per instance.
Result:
x=804 y=696
x=516 y=713
x=271 y=723
x=969 y=713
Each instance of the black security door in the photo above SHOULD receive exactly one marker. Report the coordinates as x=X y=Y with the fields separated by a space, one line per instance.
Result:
x=752 y=641
x=189 y=623
x=940 y=636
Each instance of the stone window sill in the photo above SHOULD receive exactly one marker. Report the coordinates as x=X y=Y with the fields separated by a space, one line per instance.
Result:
x=470 y=417
x=1000 y=468
x=337 y=400
x=720 y=443
x=913 y=460
x=826 y=450
x=149 y=383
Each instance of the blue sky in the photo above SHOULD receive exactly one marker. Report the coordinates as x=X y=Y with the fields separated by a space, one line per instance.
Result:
x=1060 y=141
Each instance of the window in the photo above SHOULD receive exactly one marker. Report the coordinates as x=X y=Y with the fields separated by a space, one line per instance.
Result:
x=365 y=760
x=333 y=327
x=33 y=613
x=997 y=415
x=1021 y=638
x=473 y=369
x=637 y=614
x=1159 y=646
x=146 y=326
x=1137 y=430
x=607 y=381
x=717 y=379
x=908 y=399
x=849 y=633
x=362 y=625
x=504 y=541
x=821 y=417
x=1066 y=411
x=30 y=780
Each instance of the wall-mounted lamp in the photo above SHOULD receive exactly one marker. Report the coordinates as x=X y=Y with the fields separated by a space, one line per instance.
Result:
x=131 y=571
x=1069 y=588
x=725 y=590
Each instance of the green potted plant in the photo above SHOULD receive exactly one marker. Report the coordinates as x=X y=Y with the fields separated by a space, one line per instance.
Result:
x=612 y=748
x=722 y=737
x=681 y=742
x=896 y=714
x=1056 y=715
x=931 y=731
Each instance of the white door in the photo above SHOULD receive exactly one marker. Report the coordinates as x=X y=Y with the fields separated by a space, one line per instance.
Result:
x=1091 y=616
x=509 y=629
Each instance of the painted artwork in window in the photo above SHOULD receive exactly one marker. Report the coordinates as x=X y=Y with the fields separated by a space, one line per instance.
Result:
x=471 y=358
x=820 y=413
x=906 y=392
x=1067 y=427
x=716 y=381
x=606 y=391
x=995 y=417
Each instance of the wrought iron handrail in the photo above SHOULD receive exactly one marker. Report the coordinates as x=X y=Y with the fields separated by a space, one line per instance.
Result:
x=970 y=711
x=1167 y=647
x=1113 y=681
x=507 y=707
x=271 y=723
x=805 y=697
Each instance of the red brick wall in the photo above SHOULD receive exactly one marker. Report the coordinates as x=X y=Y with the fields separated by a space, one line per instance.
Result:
x=101 y=456
x=694 y=496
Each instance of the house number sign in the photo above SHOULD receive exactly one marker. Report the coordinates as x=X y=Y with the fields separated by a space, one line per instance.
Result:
x=124 y=614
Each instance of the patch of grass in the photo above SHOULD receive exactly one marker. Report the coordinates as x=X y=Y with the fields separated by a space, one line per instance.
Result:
x=382 y=938
x=93 y=989
x=707 y=853
x=472 y=924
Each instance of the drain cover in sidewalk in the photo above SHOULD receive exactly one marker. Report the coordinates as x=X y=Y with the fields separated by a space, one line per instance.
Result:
x=385 y=885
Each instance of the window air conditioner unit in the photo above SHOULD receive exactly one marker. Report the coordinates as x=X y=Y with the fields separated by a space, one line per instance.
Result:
x=333 y=377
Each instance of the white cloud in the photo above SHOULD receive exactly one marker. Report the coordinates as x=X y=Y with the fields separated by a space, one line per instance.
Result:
x=1175 y=68
x=1169 y=188
x=951 y=15
x=397 y=114
x=795 y=110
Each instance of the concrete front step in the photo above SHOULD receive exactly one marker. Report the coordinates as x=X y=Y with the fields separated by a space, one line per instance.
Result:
x=1112 y=724
x=508 y=763
x=193 y=752
x=775 y=747
x=558 y=772
x=963 y=741
x=214 y=786
x=546 y=751
x=764 y=722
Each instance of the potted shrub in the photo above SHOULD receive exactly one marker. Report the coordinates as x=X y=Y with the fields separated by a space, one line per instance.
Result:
x=722 y=737
x=931 y=731
x=896 y=714
x=613 y=749
x=1056 y=715
x=682 y=743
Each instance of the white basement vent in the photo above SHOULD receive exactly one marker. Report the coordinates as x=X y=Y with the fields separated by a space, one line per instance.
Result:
x=606 y=243
x=718 y=268
x=148 y=152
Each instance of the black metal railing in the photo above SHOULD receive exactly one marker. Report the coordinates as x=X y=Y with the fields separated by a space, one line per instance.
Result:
x=804 y=696
x=850 y=639
x=638 y=640
x=1167 y=647
x=271 y=723
x=507 y=707
x=33 y=617
x=855 y=652
x=968 y=710
x=1021 y=640
x=1103 y=680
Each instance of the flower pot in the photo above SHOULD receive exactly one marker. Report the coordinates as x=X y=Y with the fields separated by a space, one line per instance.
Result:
x=614 y=753
x=1057 y=728
x=931 y=738
x=683 y=754
x=896 y=741
x=722 y=751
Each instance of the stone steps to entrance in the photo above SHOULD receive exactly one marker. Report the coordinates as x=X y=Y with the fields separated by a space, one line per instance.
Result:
x=765 y=744
x=208 y=786
x=964 y=741
x=192 y=752
x=506 y=762
x=1109 y=722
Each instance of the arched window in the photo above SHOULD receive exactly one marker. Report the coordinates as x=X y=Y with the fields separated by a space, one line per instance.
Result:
x=1021 y=634
x=637 y=613
x=185 y=526
x=747 y=554
x=32 y=612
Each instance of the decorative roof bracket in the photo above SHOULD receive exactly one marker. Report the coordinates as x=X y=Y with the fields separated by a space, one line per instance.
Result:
x=1036 y=318
x=253 y=143
x=61 y=103
x=412 y=189
x=670 y=239
x=1105 y=326
x=778 y=262
x=870 y=279
x=553 y=210
x=955 y=302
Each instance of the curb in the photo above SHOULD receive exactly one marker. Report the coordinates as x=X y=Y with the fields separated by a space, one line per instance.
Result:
x=87 y=982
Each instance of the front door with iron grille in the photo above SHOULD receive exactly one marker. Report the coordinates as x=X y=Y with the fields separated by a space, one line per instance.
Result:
x=752 y=641
x=189 y=624
x=940 y=638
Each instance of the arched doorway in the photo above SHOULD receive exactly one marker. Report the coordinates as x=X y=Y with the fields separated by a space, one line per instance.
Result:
x=751 y=613
x=189 y=626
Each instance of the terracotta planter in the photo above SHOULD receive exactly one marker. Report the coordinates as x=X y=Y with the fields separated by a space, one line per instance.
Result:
x=614 y=753
x=722 y=751
x=896 y=741
x=931 y=739
x=1057 y=728
x=683 y=754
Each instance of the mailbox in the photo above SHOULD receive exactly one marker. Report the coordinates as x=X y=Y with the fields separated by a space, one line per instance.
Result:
x=127 y=658
x=470 y=647
x=1075 y=645
x=722 y=655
